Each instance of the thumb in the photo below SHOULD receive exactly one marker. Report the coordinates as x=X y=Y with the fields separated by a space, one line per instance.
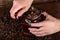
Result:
x=48 y=17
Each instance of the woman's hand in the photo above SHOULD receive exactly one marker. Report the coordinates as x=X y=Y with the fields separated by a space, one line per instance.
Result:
x=49 y=26
x=22 y=5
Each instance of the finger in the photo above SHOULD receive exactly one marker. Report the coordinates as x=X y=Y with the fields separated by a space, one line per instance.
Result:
x=36 y=30
x=21 y=12
x=38 y=33
x=14 y=9
x=40 y=24
x=41 y=35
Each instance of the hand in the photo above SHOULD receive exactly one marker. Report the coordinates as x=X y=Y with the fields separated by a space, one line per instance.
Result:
x=49 y=26
x=22 y=5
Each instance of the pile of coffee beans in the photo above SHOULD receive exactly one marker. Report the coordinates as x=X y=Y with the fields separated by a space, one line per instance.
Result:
x=11 y=29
